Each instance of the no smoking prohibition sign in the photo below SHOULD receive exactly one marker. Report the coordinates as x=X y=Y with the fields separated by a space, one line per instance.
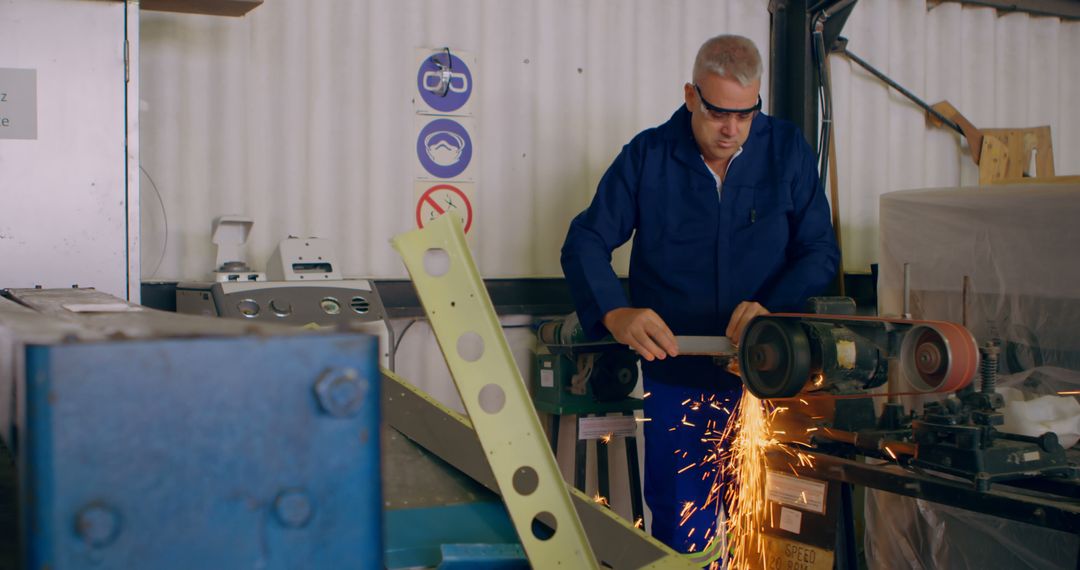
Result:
x=441 y=199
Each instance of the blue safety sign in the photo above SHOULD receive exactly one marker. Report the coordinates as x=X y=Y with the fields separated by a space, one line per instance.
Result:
x=444 y=81
x=444 y=148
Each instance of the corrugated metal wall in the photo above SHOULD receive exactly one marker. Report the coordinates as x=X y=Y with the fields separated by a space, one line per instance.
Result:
x=1010 y=70
x=301 y=115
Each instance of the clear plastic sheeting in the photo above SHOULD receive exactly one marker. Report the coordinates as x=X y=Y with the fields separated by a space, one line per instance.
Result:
x=1017 y=248
x=903 y=533
x=1016 y=244
x=1040 y=400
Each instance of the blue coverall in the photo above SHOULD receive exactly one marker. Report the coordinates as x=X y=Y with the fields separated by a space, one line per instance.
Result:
x=766 y=237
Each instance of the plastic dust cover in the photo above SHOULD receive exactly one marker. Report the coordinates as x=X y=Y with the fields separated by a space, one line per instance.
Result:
x=1018 y=245
x=1019 y=248
x=904 y=533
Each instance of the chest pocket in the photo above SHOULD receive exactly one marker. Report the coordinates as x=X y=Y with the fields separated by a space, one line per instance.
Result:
x=767 y=205
x=683 y=234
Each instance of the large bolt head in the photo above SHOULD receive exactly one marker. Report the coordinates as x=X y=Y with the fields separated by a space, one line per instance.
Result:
x=97 y=524
x=341 y=391
x=293 y=508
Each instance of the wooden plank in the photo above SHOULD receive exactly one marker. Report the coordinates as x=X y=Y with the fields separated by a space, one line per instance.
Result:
x=993 y=161
x=973 y=135
x=1021 y=145
x=1044 y=160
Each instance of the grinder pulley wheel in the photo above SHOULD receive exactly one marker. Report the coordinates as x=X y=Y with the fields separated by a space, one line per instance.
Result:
x=774 y=357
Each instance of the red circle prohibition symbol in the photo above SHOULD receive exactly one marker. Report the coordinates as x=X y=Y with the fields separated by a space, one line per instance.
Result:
x=430 y=200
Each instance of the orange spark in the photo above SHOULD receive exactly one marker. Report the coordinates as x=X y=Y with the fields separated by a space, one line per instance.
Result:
x=600 y=500
x=606 y=438
x=891 y=454
x=749 y=435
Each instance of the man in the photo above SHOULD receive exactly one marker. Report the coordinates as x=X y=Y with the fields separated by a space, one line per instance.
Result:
x=729 y=221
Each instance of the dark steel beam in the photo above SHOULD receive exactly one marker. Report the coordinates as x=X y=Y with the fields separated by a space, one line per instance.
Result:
x=212 y=7
x=1068 y=9
x=793 y=82
x=1006 y=501
x=794 y=79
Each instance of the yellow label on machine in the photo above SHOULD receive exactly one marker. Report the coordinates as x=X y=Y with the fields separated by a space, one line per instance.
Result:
x=784 y=554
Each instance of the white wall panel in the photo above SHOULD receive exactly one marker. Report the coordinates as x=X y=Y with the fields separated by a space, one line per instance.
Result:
x=65 y=196
x=1000 y=71
x=301 y=115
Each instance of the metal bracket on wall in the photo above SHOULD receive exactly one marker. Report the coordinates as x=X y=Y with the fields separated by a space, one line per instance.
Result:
x=494 y=394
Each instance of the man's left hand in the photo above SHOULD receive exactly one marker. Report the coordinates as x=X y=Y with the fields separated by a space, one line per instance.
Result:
x=742 y=316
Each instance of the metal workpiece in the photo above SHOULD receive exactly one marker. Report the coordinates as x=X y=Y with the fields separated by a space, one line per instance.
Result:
x=415 y=478
x=718 y=346
x=450 y=436
x=493 y=392
x=156 y=440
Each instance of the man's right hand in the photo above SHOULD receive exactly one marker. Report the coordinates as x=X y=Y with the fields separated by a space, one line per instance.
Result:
x=643 y=330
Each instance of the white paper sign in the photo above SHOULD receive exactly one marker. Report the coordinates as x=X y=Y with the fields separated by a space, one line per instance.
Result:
x=790 y=520
x=18 y=103
x=602 y=426
x=799 y=492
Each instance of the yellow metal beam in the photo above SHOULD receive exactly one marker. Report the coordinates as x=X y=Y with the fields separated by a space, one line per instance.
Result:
x=449 y=435
x=494 y=394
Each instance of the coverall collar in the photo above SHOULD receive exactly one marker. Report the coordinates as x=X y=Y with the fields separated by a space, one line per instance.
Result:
x=686 y=149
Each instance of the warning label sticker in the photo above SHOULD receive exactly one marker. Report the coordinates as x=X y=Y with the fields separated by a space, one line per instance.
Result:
x=800 y=492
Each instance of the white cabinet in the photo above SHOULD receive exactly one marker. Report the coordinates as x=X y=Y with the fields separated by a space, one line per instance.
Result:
x=69 y=211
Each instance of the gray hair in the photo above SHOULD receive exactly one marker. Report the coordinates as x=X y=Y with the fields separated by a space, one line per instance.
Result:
x=729 y=56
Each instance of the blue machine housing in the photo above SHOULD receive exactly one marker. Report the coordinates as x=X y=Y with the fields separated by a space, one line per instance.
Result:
x=206 y=452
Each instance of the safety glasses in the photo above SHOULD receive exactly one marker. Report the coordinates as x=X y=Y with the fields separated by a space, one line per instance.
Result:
x=720 y=113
